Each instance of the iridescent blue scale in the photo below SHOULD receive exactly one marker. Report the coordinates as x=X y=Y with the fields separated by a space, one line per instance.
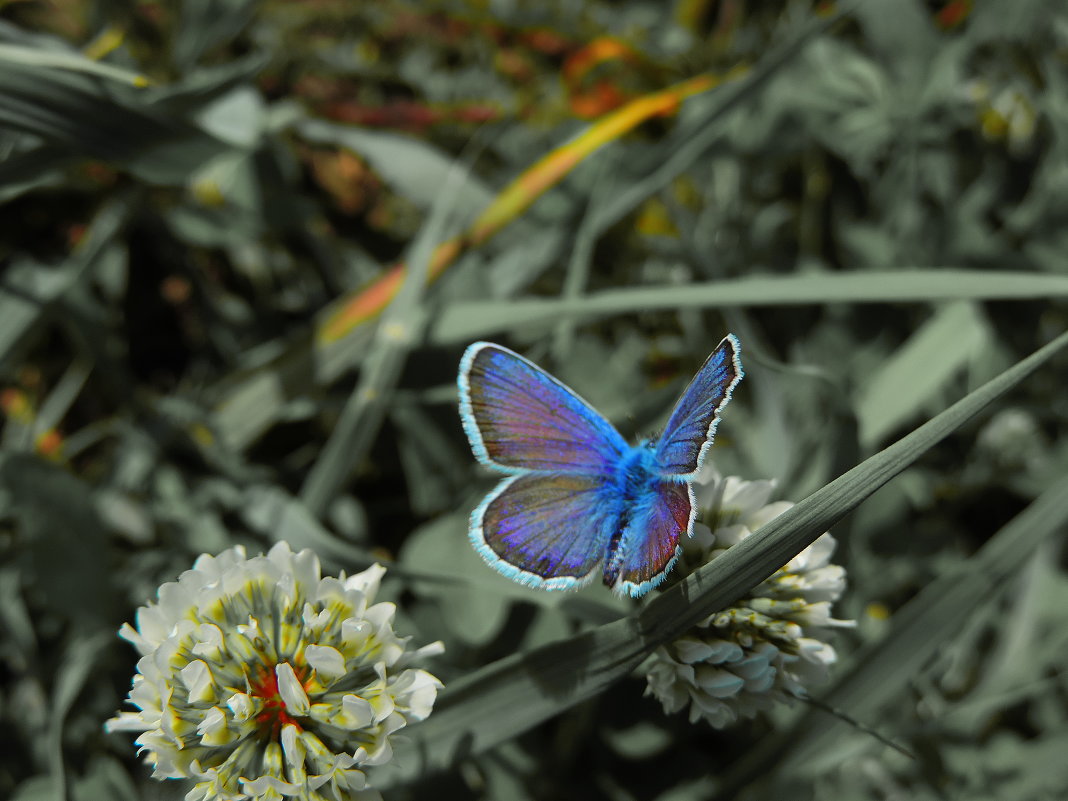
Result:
x=576 y=495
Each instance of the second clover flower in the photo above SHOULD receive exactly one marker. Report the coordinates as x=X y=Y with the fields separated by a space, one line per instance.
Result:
x=260 y=679
x=771 y=645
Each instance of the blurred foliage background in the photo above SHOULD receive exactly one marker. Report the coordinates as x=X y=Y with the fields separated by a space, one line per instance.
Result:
x=243 y=245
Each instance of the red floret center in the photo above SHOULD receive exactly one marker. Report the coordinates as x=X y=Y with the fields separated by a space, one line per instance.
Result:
x=274 y=714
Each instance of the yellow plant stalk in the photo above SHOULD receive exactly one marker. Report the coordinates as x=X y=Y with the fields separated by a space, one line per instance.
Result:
x=367 y=303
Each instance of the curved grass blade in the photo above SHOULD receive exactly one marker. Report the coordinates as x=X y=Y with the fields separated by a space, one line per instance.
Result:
x=509 y=696
x=36 y=56
x=89 y=116
x=462 y=322
x=955 y=335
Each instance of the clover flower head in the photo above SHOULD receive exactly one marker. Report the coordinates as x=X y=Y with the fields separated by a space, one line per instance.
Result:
x=260 y=679
x=772 y=644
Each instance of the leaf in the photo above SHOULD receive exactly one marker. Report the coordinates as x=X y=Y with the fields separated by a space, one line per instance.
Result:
x=27 y=290
x=237 y=117
x=32 y=168
x=466 y=321
x=476 y=608
x=79 y=661
x=105 y=778
x=64 y=560
x=905 y=38
x=86 y=116
x=74 y=61
x=39 y=788
x=513 y=694
x=943 y=346
x=209 y=23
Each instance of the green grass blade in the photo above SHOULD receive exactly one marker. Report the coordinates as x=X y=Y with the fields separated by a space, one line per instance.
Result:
x=85 y=115
x=955 y=334
x=35 y=56
x=462 y=322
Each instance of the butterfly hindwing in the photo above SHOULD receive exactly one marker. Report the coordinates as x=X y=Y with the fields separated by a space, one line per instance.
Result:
x=649 y=546
x=546 y=530
x=681 y=448
x=519 y=418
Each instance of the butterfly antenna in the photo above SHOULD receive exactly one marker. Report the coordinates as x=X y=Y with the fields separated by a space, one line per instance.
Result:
x=843 y=716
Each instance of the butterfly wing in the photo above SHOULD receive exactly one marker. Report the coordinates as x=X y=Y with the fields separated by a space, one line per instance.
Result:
x=520 y=418
x=546 y=530
x=692 y=425
x=649 y=546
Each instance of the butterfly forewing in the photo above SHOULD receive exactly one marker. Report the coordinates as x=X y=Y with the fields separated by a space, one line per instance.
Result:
x=681 y=448
x=546 y=530
x=519 y=418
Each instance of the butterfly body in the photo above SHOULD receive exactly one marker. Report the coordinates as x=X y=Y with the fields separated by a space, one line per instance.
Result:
x=626 y=497
x=576 y=495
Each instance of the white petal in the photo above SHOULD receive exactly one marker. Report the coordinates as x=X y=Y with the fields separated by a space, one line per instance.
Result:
x=421 y=694
x=367 y=581
x=209 y=642
x=328 y=662
x=381 y=614
x=128 y=721
x=817 y=651
x=692 y=650
x=213 y=729
x=753 y=666
x=716 y=682
x=746 y=496
x=250 y=630
x=197 y=679
x=717 y=713
x=292 y=747
x=289 y=687
x=431 y=649
x=315 y=621
x=358 y=711
x=240 y=704
x=259 y=787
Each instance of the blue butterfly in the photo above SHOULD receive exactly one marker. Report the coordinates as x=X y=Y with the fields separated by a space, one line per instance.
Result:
x=576 y=494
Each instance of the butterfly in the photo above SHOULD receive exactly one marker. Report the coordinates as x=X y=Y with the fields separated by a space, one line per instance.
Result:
x=576 y=495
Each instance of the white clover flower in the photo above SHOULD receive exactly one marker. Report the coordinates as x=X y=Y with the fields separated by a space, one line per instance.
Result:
x=259 y=679
x=771 y=645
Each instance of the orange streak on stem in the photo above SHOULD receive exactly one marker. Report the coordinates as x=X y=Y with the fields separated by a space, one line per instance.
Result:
x=548 y=172
x=369 y=302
